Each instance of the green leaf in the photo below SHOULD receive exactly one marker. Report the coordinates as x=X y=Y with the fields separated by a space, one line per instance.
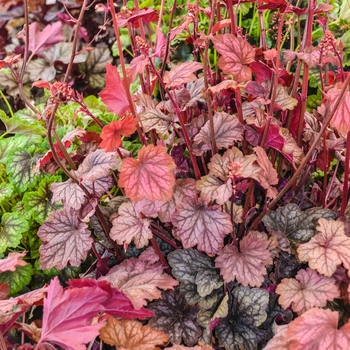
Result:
x=192 y=266
x=11 y=229
x=6 y=190
x=17 y=279
x=95 y=66
x=20 y=168
x=296 y=225
x=16 y=125
x=16 y=142
x=38 y=203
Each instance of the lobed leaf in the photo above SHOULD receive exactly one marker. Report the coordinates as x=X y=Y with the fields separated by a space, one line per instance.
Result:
x=214 y=189
x=192 y=266
x=307 y=290
x=20 y=167
x=295 y=224
x=139 y=280
x=327 y=249
x=152 y=117
x=340 y=120
x=236 y=53
x=38 y=203
x=65 y=240
x=151 y=176
x=17 y=279
x=318 y=329
x=174 y=317
x=195 y=223
x=247 y=264
x=97 y=164
x=182 y=74
x=227 y=130
x=67 y=315
x=130 y=226
x=132 y=335
x=111 y=134
x=13 y=225
x=114 y=95
x=239 y=329
x=12 y=261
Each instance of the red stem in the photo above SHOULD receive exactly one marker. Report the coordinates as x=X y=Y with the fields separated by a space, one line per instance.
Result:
x=345 y=197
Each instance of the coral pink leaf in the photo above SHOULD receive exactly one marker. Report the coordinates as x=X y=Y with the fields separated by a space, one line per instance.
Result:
x=318 y=329
x=268 y=174
x=151 y=176
x=341 y=118
x=117 y=303
x=130 y=226
x=307 y=290
x=97 y=165
x=327 y=249
x=137 y=66
x=68 y=315
x=42 y=40
x=111 y=134
x=182 y=74
x=114 y=95
x=197 y=224
x=65 y=239
x=12 y=261
x=236 y=53
x=139 y=280
x=247 y=264
x=278 y=342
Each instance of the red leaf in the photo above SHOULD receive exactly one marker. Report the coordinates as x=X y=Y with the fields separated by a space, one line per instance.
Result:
x=111 y=134
x=146 y=15
x=12 y=261
x=160 y=43
x=48 y=155
x=327 y=249
x=197 y=224
x=307 y=290
x=247 y=264
x=318 y=329
x=42 y=40
x=151 y=176
x=341 y=118
x=236 y=53
x=65 y=239
x=68 y=315
x=116 y=303
x=114 y=95
x=182 y=74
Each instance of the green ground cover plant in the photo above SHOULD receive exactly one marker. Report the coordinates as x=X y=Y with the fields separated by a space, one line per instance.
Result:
x=174 y=175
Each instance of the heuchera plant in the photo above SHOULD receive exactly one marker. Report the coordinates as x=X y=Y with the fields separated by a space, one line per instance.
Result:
x=204 y=190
